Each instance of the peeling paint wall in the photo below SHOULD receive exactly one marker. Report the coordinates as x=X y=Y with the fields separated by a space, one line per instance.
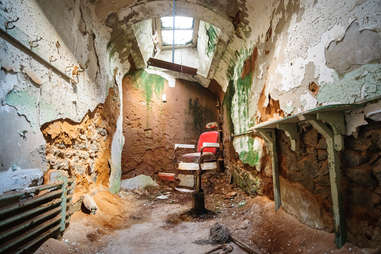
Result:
x=143 y=33
x=307 y=54
x=68 y=35
x=333 y=44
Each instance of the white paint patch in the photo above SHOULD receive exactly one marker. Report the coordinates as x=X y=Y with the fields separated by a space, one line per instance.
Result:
x=308 y=101
x=137 y=182
x=316 y=54
x=292 y=73
x=241 y=144
x=17 y=179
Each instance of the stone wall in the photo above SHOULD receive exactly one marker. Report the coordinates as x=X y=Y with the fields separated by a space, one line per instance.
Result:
x=362 y=180
x=152 y=127
x=305 y=184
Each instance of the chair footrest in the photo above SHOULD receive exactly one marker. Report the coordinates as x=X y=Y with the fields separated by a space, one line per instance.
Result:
x=194 y=166
x=184 y=190
x=167 y=176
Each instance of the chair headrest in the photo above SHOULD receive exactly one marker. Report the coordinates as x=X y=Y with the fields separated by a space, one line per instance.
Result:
x=211 y=125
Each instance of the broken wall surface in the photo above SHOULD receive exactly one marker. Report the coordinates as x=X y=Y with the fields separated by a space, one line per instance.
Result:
x=291 y=56
x=67 y=35
x=84 y=149
x=152 y=126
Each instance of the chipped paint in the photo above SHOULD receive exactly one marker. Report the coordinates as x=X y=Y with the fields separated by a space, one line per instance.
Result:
x=33 y=95
x=362 y=83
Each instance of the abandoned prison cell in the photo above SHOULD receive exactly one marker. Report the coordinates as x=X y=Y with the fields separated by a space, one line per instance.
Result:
x=190 y=126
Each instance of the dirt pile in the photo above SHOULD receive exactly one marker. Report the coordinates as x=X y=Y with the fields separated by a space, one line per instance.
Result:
x=86 y=232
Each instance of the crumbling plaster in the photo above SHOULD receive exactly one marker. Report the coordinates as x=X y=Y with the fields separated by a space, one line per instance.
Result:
x=292 y=38
x=32 y=95
x=143 y=33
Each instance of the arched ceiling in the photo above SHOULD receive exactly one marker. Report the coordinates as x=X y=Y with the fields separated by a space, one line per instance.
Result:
x=122 y=17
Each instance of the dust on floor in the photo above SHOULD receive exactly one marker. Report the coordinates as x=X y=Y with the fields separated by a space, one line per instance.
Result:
x=156 y=221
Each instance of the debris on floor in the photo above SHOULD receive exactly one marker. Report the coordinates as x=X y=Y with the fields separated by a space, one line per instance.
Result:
x=137 y=182
x=219 y=234
x=54 y=246
x=89 y=204
x=162 y=197
x=144 y=221
x=222 y=249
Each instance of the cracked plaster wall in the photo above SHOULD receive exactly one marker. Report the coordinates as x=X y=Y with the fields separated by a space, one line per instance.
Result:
x=71 y=38
x=329 y=44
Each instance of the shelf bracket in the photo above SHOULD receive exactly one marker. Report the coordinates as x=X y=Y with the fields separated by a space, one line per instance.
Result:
x=334 y=145
x=269 y=136
x=291 y=130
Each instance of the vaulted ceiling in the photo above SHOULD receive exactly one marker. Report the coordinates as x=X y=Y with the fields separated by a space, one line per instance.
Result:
x=132 y=24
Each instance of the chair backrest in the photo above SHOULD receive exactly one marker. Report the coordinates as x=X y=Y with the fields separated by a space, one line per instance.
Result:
x=209 y=137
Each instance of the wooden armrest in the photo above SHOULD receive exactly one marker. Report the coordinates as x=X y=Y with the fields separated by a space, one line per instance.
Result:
x=185 y=146
x=210 y=145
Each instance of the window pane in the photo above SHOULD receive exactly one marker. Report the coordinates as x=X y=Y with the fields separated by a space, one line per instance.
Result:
x=166 y=22
x=182 y=37
x=180 y=22
x=183 y=22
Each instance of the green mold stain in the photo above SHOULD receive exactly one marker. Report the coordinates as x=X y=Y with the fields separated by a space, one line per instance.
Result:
x=238 y=99
x=236 y=103
x=247 y=182
x=250 y=156
x=228 y=101
x=150 y=84
x=212 y=39
x=243 y=90
x=237 y=62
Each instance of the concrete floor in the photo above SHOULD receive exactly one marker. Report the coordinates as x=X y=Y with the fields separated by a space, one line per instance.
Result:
x=153 y=236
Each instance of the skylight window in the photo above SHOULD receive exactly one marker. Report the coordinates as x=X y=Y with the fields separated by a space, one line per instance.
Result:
x=183 y=30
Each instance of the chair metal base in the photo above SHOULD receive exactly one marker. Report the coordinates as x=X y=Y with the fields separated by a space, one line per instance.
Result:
x=199 y=202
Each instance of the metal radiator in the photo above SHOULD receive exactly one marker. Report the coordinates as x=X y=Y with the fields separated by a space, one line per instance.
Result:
x=30 y=216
